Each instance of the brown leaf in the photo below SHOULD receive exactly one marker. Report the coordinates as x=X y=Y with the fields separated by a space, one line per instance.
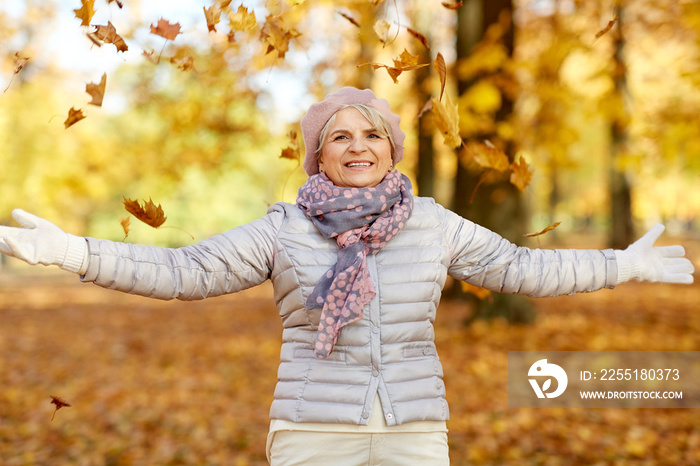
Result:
x=441 y=71
x=97 y=91
x=166 y=29
x=423 y=40
x=59 y=404
x=126 y=225
x=119 y=3
x=607 y=28
x=19 y=62
x=404 y=62
x=520 y=175
x=150 y=56
x=213 y=16
x=150 y=214
x=85 y=12
x=352 y=20
x=184 y=63
x=74 y=116
x=108 y=35
x=548 y=229
x=452 y=6
x=292 y=152
x=488 y=156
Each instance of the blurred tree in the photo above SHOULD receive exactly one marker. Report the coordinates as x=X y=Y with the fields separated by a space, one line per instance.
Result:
x=486 y=88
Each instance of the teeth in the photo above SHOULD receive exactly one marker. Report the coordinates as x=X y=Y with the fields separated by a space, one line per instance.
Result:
x=359 y=164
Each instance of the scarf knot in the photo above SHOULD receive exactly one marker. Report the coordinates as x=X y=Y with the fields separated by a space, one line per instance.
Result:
x=362 y=221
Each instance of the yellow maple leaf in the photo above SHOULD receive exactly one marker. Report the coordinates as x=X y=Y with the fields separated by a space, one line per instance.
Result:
x=488 y=156
x=213 y=16
x=74 y=116
x=242 y=19
x=277 y=36
x=548 y=228
x=404 y=62
x=150 y=214
x=381 y=29
x=447 y=121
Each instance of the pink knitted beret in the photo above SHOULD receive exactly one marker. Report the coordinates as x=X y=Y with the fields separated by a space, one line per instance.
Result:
x=318 y=114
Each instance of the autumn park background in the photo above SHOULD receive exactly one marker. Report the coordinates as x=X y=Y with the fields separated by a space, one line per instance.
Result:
x=576 y=119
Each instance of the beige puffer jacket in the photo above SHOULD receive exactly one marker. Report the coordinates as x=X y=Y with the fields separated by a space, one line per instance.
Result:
x=390 y=351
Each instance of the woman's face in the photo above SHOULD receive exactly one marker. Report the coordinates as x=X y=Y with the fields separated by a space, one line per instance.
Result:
x=354 y=153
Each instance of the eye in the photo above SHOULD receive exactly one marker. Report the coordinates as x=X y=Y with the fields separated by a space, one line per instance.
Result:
x=374 y=136
x=339 y=137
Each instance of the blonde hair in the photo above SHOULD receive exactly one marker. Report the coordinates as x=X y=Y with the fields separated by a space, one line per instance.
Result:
x=374 y=116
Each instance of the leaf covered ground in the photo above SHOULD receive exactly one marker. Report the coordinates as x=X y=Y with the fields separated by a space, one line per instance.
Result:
x=152 y=382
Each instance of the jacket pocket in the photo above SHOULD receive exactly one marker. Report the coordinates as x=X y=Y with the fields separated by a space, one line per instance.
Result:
x=305 y=353
x=419 y=351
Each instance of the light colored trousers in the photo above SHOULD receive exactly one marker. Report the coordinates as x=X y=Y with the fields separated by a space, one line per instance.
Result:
x=289 y=448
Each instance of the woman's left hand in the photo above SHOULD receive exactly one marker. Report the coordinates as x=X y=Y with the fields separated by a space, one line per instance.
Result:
x=643 y=261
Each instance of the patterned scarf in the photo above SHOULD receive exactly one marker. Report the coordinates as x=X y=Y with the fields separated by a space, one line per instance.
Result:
x=361 y=220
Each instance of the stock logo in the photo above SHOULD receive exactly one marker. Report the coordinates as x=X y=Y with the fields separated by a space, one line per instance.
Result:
x=541 y=369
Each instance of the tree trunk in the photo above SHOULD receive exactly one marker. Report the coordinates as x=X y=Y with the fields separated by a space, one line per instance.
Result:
x=622 y=231
x=498 y=206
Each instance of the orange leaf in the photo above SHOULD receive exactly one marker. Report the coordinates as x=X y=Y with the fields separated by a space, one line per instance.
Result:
x=441 y=71
x=59 y=404
x=520 y=175
x=19 y=62
x=97 y=91
x=166 y=29
x=150 y=214
x=74 y=116
x=488 y=156
x=549 y=228
x=423 y=40
x=213 y=16
x=447 y=121
x=108 y=35
x=85 y=12
x=607 y=28
x=126 y=225
x=452 y=6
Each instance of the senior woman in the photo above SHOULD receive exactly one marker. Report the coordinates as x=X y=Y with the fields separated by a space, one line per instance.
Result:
x=357 y=266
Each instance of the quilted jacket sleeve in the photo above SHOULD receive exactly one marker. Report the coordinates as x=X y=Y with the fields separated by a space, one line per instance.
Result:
x=483 y=258
x=232 y=261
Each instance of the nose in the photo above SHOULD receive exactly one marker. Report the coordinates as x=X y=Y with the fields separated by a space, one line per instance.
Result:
x=357 y=145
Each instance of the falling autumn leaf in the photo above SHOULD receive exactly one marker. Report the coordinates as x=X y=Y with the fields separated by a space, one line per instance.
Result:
x=242 y=20
x=547 y=229
x=166 y=29
x=59 y=403
x=488 y=156
x=520 y=175
x=119 y=3
x=352 y=20
x=277 y=36
x=423 y=40
x=607 y=28
x=19 y=62
x=447 y=121
x=184 y=63
x=441 y=71
x=452 y=6
x=85 y=12
x=213 y=16
x=97 y=91
x=292 y=151
x=108 y=35
x=126 y=225
x=404 y=62
x=74 y=116
x=150 y=214
x=381 y=29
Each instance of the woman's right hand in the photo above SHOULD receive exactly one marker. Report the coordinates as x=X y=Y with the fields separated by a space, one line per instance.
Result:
x=39 y=241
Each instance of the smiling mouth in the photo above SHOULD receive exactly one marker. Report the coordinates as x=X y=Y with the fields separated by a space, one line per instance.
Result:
x=359 y=164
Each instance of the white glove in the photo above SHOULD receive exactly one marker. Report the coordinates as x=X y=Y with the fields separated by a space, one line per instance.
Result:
x=643 y=262
x=41 y=242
